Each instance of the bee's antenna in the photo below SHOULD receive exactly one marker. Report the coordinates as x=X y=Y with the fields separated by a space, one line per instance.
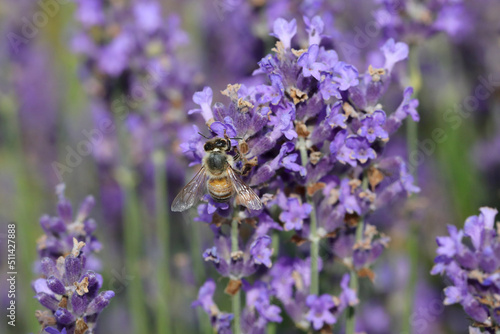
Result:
x=201 y=134
x=237 y=138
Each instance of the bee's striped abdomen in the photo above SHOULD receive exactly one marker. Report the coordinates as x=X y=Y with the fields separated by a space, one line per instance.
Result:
x=221 y=189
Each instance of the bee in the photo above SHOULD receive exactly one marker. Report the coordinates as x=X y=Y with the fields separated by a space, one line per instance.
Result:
x=217 y=177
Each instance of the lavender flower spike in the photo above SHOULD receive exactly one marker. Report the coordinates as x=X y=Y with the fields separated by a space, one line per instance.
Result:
x=472 y=268
x=70 y=289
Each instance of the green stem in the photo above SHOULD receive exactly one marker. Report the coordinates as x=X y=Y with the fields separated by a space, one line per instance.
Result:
x=133 y=245
x=26 y=215
x=313 y=233
x=313 y=236
x=195 y=241
x=411 y=126
x=133 y=241
x=271 y=328
x=195 y=248
x=163 y=243
x=354 y=284
x=412 y=241
x=275 y=244
x=236 y=299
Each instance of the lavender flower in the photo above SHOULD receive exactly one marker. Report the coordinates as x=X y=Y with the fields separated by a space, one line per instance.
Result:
x=220 y=321
x=259 y=311
x=62 y=231
x=70 y=289
x=472 y=268
x=329 y=114
x=205 y=297
x=261 y=252
x=294 y=213
x=204 y=100
x=284 y=31
x=319 y=313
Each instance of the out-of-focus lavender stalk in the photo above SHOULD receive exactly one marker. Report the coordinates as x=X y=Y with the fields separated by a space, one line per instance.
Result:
x=133 y=238
x=413 y=235
x=162 y=238
x=134 y=69
x=24 y=212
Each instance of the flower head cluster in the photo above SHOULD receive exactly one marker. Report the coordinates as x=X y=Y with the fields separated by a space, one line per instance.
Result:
x=69 y=230
x=311 y=142
x=290 y=280
x=259 y=311
x=136 y=78
x=317 y=105
x=243 y=263
x=470 y=260
x=70 y=286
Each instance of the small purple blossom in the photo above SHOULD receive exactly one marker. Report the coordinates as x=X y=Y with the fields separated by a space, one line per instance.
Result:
x=114 y=58
x=329 y=88
x=454 y=20
x=226 y=128
x=336 y=117
x=284 y=31
x=309 y=65
x=360 y=149
x=294 y=214
x=205 y=297
x=319 y=313
x=394 y=53
x=261 y=252
x=314 y=27
x=258 y=297
x=204 y=100
x=348 y=296
x=348 y=76
x=371 y=127
x=148 y=15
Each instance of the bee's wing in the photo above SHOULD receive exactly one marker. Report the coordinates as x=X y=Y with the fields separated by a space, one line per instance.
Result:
x=244 y=194
x=191 y=192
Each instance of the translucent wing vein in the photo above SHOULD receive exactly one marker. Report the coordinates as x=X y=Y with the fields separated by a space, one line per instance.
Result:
x=191 y=193
x=244 y=194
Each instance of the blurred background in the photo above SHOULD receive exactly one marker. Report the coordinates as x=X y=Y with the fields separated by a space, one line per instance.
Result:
x=57 y=94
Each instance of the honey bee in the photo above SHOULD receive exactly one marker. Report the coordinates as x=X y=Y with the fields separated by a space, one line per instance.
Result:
x=217 y=177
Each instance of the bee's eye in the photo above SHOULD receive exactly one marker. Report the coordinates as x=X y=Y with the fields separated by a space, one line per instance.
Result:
x=207 y=147
x=220 y=143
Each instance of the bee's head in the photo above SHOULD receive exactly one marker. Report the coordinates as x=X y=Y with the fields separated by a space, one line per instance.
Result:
x=217 y=144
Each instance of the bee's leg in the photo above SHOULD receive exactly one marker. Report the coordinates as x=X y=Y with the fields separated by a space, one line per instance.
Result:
x=237 y=156
x=246 y=169
x=248 y=165
x=226 y=137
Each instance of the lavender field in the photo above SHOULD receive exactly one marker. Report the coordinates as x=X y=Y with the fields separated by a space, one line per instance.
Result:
x=250 y=167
